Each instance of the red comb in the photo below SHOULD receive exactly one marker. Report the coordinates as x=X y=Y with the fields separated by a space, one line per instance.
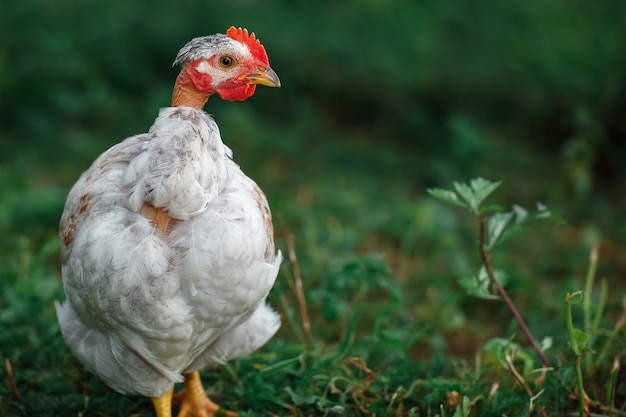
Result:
x=257 y=50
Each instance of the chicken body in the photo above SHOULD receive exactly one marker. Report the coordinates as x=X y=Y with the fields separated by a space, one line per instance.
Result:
x=144 y=308
x=151 y=300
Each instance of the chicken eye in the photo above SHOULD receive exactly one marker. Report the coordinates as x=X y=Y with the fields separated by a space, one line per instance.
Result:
x=226 y=61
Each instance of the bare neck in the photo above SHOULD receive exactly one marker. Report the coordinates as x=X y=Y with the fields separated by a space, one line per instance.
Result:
x=185 y=94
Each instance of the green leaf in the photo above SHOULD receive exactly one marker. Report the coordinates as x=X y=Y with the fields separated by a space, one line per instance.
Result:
x=447 y=196
x=503 y=226
x=545 y=344
x=476 y=192
x=483 y=188
x=521 y=214
x=542 y=211
x=497 y=349
x=496 y=226
x=480 y=286
x=281 y=365
x=468 y=196
x=466 y=193
x=578 y=341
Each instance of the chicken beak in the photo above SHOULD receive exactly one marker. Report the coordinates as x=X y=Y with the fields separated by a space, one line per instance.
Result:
x=265 y=76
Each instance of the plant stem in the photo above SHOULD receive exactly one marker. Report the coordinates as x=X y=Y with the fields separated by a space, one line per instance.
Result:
x=7 y=366
x=581 y=391
x=621 y=322
x=604 y=292
x=299 y=290
x=574 y=344
x=505 y=296
x=613 y=384
x=591 y=273
x=589 y=280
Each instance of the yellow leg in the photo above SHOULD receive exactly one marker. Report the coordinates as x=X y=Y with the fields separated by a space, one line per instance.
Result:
x=195 y=401
x=163 y=404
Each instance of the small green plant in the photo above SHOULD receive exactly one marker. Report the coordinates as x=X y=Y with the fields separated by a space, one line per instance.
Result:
x=495 y=226
x=578 y=344
x=581 y=342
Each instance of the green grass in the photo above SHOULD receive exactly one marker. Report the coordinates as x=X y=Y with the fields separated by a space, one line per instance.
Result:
x=391 y=99
x=393 y=331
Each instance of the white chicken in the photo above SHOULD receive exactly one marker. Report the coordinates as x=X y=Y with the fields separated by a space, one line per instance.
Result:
x=167 y=246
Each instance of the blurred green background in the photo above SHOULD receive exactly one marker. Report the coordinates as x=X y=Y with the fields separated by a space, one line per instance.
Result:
x=419 y=92
x=380 y=100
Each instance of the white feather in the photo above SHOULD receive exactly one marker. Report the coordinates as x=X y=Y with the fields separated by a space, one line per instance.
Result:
x=143 y=308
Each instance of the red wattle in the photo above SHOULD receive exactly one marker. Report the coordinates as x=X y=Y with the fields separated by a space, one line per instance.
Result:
x=237 y=93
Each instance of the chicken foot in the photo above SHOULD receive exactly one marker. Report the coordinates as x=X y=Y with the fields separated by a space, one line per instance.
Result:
x=194 y=401
x=163 y=404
